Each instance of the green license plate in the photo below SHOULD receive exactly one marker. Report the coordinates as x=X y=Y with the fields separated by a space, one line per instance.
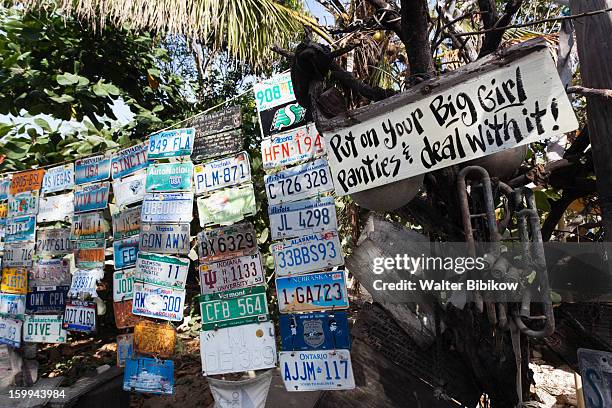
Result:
x=169 y=177
x=234 y=307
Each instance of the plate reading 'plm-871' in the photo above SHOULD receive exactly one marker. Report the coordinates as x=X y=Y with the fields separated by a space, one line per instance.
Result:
x=317 y=370
x=303 y=217
x=222 y=173
x=233 y=307
x=312 y=292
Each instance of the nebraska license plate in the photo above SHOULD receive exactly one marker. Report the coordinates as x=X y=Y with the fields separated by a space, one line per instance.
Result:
x=158 y=302
x=149 y=375
x=233 y=308
x=299 y=182
x=12 y=305
x=90 y=254
x=165 y=238
x=308 y=253
x=126 y=223
x=227 y=242
x=317 y=370
x=14 y=280
x=84 y=283
x=50 y=272
x=80 y=315
x=91 y=197
x=234 y=273
x=158 y=339
x=171 y=143
x=163 y=270
x=22 y=204
x=291 y=147
x=315 y=331
x=18 y=254
x=167 y=207
x=51 y=242
x=227 y=206
x=312 y=292
x=10 y=332
x=88 y=226
x=222 y=173
x=44 y=329
x=56 y=208
x=20 y=229
x=46 y=299
x=129 y=190
x=125 y=252
x=303 y=217
x=123 y=285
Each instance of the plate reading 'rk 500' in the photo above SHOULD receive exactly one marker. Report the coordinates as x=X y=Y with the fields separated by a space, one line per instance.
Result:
x=303 y=217
x=165 y=238
x=167 y=207
x=232 y=273
x=299 y=182
x=308 y=253
x=222 y=173
x=158 y=302
x=312 y=292
x=227 y=242
x=234 y=307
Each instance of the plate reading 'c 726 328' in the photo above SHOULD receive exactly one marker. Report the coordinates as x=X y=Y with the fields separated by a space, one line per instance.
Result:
x=167 y=207
x=233 y=307
x=234 y=273
x=165 y=238
x=227 y=242
x=299 y=182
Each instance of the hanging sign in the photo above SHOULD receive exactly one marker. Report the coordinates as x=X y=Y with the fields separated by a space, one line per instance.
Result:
x=165 y=238
x=317 y=370
x=90 y=254
x=236 y=349
x=22 y=204
x=125 y=252
x=12 y=305
x=233 y=308
x=158 y=302
x=123 y=285
x=125 y=348
x=222 y=173
x=171 y=143
x=312 y=292
x=26 y=181
x=217 y=122
x=227 y=206
x=130 y=189
x=315 y=331
x=218 y=144
x=58 y=178
x=308 y=253
x=274 y=91
x=126 y=223
x=80 y=315
x=14 y=280
x=227 y=242
x=92 y=169
x=46 y=299
x=91 y=197
x=232 y=273
x=154 y=338
x=130 y=160
x=20 y=229
x=5 y=183
x=56 y=208
x=10 y=332
x=88 y=226
x=84 y=283
x=149 y=375
x=44 y=329
x=170 y=177
x=18 y=254
x=284 y=117
x=303 y=217
x=124 y=318
x=291 y=147
x=299 y=182
x=50 y=272
x=167 y=207
x=51 y=242
x=163 y=270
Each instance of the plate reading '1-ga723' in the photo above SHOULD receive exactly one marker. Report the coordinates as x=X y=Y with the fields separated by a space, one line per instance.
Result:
x=167 y=207
x=222 y=173
x=317 y=370
x=302 y=217
x=308 y=253
x=291 y=147
x=232 y=273
x=163 y=270
x=312 y=292
x=165 y=238
x=227 y=242
x=299 y=182
x=234 y=307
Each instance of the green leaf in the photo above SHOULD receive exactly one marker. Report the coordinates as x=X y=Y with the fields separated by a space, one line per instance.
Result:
x=100 y=90
x=541 y=200
x=67 y=79
x=62 y=99
x=44 y=125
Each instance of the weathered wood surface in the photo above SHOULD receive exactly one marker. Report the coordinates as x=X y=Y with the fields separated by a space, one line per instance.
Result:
x=43 y=384
x=83 y=386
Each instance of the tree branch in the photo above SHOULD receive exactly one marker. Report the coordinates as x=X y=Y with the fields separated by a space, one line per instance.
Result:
x=493 y=38
x=415 y=14
x=581 y=90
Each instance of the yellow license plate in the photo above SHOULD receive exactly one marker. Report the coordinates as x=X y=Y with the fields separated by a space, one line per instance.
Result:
x=153 y=338
x=14 y=280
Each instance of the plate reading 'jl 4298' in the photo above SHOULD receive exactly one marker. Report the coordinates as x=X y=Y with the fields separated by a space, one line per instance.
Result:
x=303 y=217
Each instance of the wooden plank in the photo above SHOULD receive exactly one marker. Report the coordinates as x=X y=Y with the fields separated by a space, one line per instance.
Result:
x=83 y=386
x=42 y=384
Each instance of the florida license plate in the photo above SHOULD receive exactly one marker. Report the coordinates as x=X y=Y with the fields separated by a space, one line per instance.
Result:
x=58 y=178
x=163 y=270
x=158 y=302
x=234 y=307
x=299 y=182
x=18 y=254
x=80 y=315
x=165 y=238
x=292 y=147
x=149 y=375
x=92 y=169
x=20 y=229
x=44 y=329
x=23 y=204
x=167 y=207
x=90 y=254
x=126 y=223
x=317 y=370
x=232 y=273
x=130 y=189
x=227 y=206
x=56 y=208
x=227 y=242
x=308 y=253
x=222 y=173
x=84 y=283
x=123 y=285
x=10 y=331
x=88 y=226
x=169 y=177
x=171 y=143
x=51 y=242
x=91 y=197
x=157 y=339
x=130 y=160
x=46 y=299
x=303 y=217
x=125 y=252
x=50 y=272
x=315 y=331
x=14 y=280
x=312 y=292
x=12 y=305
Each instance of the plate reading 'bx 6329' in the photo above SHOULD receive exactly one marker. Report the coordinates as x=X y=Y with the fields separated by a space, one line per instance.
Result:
x=308 y=253
x=312 y=292
x=303 y=217
x=232 y=273
x=165 y=238
x=227 y=242
x=234 y=307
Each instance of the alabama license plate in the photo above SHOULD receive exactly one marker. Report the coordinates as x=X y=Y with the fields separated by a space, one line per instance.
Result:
x=171 y=143
x=222 y=173
x=315 y=331
x=129 y=190
x=126 y=223
x=227 y=242
x=299 y=182
x=236 y=349
x=130 y=160
x=44 y=329
x=84 y=283
x=51 y=242
x=291 y=147
x=58 y=178
x=92 y=169
x=125 y=252
x=308 y=253
x=317 y=370
x=50 y=272
x=303 y=217
x=169 y=177
x=234 y=307
x=167 y=207
x=125 y=348
x=149 y=375
x=20 y=229
x=312 y=292
x=232 y=273
x=14 y=280
x=22 y=204
x=88 y=226
x=158 y=302
x=163 y=270
x=80 y=315
x=227 y=206
x=90 y=254
x=56 y=208
x=46 y=299
x=123 y=285
x=91 y=197
x=165 y=238
x=10 y=331
x=158 y=339
x=18 y=254
x=12 y=305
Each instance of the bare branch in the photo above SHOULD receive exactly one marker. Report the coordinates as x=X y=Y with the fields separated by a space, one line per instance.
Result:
x=493 y=39
x=581 y=90
x=415 y=14
x=285 y=53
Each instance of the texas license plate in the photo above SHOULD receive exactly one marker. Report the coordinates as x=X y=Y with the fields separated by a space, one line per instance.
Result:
x=90 y=254
x=165 y=238
x=130 y=160
x=291 y=147
x=58 y=178
x=302 y=217
x=123 y=285
x=171 y=143
x=312 y=292
x=234 y=307
x=232 y=273
x=167 y=207
x=84 y=282
x=125 y=348
x=299 y=182
x=91 y=197
x=56 y=208
x=130 y=189
x=227 y=242
x=158 y=302
x=22 y=204
x=88 y=226
x=51 y=242
x=149 y=375
x=18 y=254
x=163 y=270
x=12 y=305
x=46 y=299
x=50 y=272
x=80 y=315
x=308 y=253
x=227 y=206
x=317 y=370
x=169 y=177
x=126 y=223
x=10 y=332
x=20 y=229
x=158 y=339
x=14 y=280
x=236 y=349
x=222 y=173
x=44 y=329
x=315 y=331
x=125 y=252
x=92 y=169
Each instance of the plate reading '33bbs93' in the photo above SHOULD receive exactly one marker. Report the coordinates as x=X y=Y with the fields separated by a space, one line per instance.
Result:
x=167 y=207
x=233 y=307
x=303 y=217
x=312 y=292
x=291 y=147
x=232 y=273
x=169 y=177
x=222 y=173
x=317 y=370
x=163 y=270
x=227 y=206
x=158 y=302
x=171 y=143
x=308 y=253
x=165 y=238
x=299 y=182
x=227 y=242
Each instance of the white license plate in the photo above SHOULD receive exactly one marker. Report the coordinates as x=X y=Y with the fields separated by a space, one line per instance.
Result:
x=227 y=242
x=10 y=331
x=308 y=253
x=50 y=272
x=18 y=254
x=291 y=147
x=222 y=173
x=240 y=348
x=126 y=223
x=88 y=226
x=317 y=370
x=56 y=208
x=165 y=238
x=130 y=189
x=171 y=143
x=84 y=282
x=123 y=285
x=52 y=242
x=158 y=302
x=167 y=207
x=12 y=305
x=21 y=204
x=44 y=329
x=163 y=270
x=58 y=178
x=80 y=316
x=235 y=273
x=274 y=91
x=299 y=182
x=303 y=217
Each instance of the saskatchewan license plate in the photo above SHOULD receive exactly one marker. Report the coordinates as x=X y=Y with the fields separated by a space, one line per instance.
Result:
x=227 y=242
x=92 y=169
x=317 y=370
x=126 y=223
x=91 y=197
x=56 y=208
x=291 y=147
x=12 y=305
x=171 y=143
x=51 y=242
x=130 y=189
x=315 y=331
x=222 y=173
x=130 y=160
x=50 y=272
x=10 y=331
x=158 y=339
x=125 y=252
x=80 y=316
x=46 y=299
x=234 y=307
x=88 y=226
x=158 y=302
x=90 y=254
x=58 y=178
x=20 y=229
x=169 y=177
x=84 y=282
x=149 y=375
x=123 y=285
x=167 y=207
x=165 y=238
x=163 y=270
x=22 y=204
x=227 y=206
x=299 y=182
x=308 y=253
x=18 y=254
x=232 y=273
x=14 y=280
x=303 y=217
x=312 y=292
x=44 y=329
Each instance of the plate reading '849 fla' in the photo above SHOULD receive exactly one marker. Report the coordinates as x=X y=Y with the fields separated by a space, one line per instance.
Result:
x=308 y=253
x=171 y=143
x=167 y=207
x=303 y=217
x=312 y=292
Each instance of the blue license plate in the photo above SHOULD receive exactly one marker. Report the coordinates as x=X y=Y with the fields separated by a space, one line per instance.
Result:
x=20 y=229
x=315 y=331
x=171 y=143
x=91 y=197
x=312 y=292
x=149 y=375
x=80 y=316
x=46 y=299
x=125 y=252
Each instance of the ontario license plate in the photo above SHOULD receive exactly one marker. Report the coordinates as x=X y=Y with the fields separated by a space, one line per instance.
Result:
x=125 y=348
x=50 y=272
x=12 y=305
x=130 y=189
x=169 y=177
x=123 y=285
x=22 y=204
x=236 y=349
x=10 y=332
x=154 y=338
x=126 y=223
x=47 y=299
x=291 y=147
x=303 y=217
x=163 y=270
x=222 y=173
x=158 y=302
x=20 y=229
x=149 y=375
x=80 y=315
x=18 y=254
x=58 y=178
x=227 y=242
x=14 y=280
x=299 y=182
x=167 y=207
x=165 y=238
x=315 y=331
x=88 y=226
x=308 y=253
x=130 y=160
x=234 y=307
x=227 y=206
x=44 y=329
x=171 y=143
x=90 y=254
x=312 y=292
x=317 y=370
x=56 y=208
x=125 y=252
x=92 y=169
x=232 y=273
x=91 y=197
x=84 y=282
x=51 y=242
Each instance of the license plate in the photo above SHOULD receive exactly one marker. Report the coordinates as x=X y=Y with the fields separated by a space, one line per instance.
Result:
x=12 y=305
x=158 y=302
x=283 y=118
x=14 y=280
x=299 y=182
x=47 y=299
x=125 y=252
x=10 y=332
x=56 y=208
x=218 y=144
x=291 y=147
x=124 y=318
x=20 y=229
x=303 y=217
x=233 y=308
x=123 y=285
x=596 y=372
x=227 y=242
x=169 y=177
x=126 y=223
x=50 y=272
x=130 y=189
x=154 y=338
x=308 y=253
x=92 y=169
x=274 y=91
x=227 y=206
x=125 y=348
x=236 y=349
x=167 y=207
x=315 y=331
x=88 y=226
x=84 y=283
x=18 y=254
x=92 y=197
x=90 y=254
x=130 y=160
x=222 y=173
x=23 y=204
x=80 y=315
x=171 y=143
x=231 y=274
x=149 y=375
x=4 y=187
x=44 y=329
x=312 y=292
x=51 y=242
x=317 y=370
x=165 y=238
x=162 y=270
x=58 y=178
x=26 y=181
x=3 y=212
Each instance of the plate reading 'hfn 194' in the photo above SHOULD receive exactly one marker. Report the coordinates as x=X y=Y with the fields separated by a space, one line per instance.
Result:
x=308 y=253
x=317 y=370
x=234 y=307
x=291 y=147
x=303 y=217
x=232 y=273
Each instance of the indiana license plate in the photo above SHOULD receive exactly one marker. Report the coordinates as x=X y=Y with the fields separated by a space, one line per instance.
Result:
x=44 y=329
x=90 y=254
x=169 y=177
x=167 y=207
x=84 y=283
x=88 y=226
x=126 y=223
x=56 y=208
x=299 y=182
x=130 y=160
x=232 y=273
x=10 y=332
x=234 y=307
x=317 y=370
x=125 y=348
x=158 y=302
x=165 y=238
x=123 y=285
x=227 y=242
x=20 y=229
x=236 y=349
x=18 y=254
x=22 y=204
x=171 y=143
x=14 y=280
x=312 y=292
x=51 y=242
x=47 y=299
x=80 y=315
x=222 y=173
x=12 y=305
x=157 y=339
x=291 y=147
x=227 y=206
x=58 y=178
x=125 y=252
x=163 y=270
x=303 y=217
x=308 y=253
x=26 y=181
x=92 y=169
x=315 y=331
x=149 y=375
x=50 y=272
x=91 y=197
x=130 y=189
